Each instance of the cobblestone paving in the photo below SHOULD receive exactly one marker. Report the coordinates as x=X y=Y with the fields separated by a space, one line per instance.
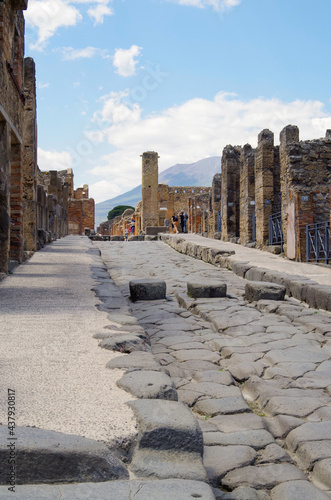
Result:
x=257 y=376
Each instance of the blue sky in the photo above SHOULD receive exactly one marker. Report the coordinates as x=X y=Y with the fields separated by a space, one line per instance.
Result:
x=116 y=78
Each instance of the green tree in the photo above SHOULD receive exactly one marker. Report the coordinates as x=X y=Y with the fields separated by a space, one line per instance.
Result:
x=118 y=211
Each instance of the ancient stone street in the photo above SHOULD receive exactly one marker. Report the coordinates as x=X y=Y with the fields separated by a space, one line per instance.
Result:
x=231 y=399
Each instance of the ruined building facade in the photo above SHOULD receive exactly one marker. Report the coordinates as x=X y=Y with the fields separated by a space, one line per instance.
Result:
x=34 y=205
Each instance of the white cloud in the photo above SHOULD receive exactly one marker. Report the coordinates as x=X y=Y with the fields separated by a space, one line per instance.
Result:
x=218 y=5
x=48 y=16
x=125 y=60
x=99 y=12
x=43 y=85
x=197 y=129
x=54 y=160
x=70 y=54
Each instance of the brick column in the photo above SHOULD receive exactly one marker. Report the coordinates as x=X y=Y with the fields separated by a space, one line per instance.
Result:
x=304 y=215
x=150 y=174
x=247 y=194
x=264 y=186
x=30 y=157
x=4 y=195
x=16 y=203
x=230 y=192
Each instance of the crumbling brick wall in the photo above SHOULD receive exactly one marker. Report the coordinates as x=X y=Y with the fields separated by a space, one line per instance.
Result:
x=81 y=213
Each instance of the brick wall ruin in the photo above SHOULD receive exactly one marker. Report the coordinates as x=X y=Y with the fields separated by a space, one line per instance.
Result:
x=33 y=204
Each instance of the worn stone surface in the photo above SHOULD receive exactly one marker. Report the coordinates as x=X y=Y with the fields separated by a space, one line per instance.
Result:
x=321 y=474
x=219 y=460
x=149 y=385
x=262 y=476
x=295 y=490
x=52 y=457
x=256 y=439
x=223 y=406
x=135 y=361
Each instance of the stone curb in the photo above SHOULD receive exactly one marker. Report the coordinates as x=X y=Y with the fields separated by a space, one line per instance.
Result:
x=315 y=295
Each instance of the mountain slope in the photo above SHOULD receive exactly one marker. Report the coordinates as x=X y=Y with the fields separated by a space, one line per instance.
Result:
x=200 y=173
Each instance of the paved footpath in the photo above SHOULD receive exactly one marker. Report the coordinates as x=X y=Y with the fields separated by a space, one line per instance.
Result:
x=252 y=379
x=257 y=376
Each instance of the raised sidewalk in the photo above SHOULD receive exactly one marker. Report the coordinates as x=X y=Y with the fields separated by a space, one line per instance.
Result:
x=307 y=282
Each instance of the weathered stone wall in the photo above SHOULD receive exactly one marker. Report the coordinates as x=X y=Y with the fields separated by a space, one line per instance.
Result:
x=11 y=131
x=305 y=186
x=247 y=194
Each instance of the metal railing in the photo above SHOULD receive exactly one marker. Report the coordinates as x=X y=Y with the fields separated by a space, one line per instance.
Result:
x=276 y=229
x=318 y=244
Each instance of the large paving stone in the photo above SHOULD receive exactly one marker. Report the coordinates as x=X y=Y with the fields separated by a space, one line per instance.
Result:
x=308 y=453
x=262 y=476
x=174 y=489
x=166 y=425
x=282 y=425
x=212 y=407
x=147 y=289
x=218 y=460
x=274 y=454
x=308 y=432
x=135 y=361
x=208 y=289
x=262 y=290
x=297 y=490
x=296 y=354
x=245 y=493
x=212 y=389
x=149 y=385
x=290 y=369
x=49 y=457
x=256 y=439
x=293 y=406
x=321 y=474
x=217 y=377
x=238 y=422
x=194 y=354
x=125 y=343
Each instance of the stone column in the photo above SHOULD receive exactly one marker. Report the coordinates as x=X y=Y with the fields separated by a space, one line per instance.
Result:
x=247 y=194
x=150 y=175
x=4 y=195
x=264 y=186
x=230 y=192
x=30 y=157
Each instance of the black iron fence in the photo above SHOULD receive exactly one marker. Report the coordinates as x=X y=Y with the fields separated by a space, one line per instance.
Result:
x=318 y=244
x=276 y=229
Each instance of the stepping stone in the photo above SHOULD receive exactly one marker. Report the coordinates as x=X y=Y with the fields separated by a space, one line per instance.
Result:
x=53 y=457
x=262 y=290
x=206 y=290
x=149 y=385
x=170 y=442
x=218 y=460
x=147 y=289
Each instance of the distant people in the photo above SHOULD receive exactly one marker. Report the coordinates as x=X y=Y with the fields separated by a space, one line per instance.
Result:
x=181 y=220
x=185 y=222
x=174 y=220
x=132 y=226
x=126 y=234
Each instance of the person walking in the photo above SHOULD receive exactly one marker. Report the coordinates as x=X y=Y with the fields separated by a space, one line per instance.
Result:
x=174 y=220
x=185 y=222
x=181 y=219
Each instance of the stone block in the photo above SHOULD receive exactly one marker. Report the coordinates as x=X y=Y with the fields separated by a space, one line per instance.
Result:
x=117 y=238
x=262 y=290
x=147 y=289
x=206 y=289
x=149 y=385
x=295 y=490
